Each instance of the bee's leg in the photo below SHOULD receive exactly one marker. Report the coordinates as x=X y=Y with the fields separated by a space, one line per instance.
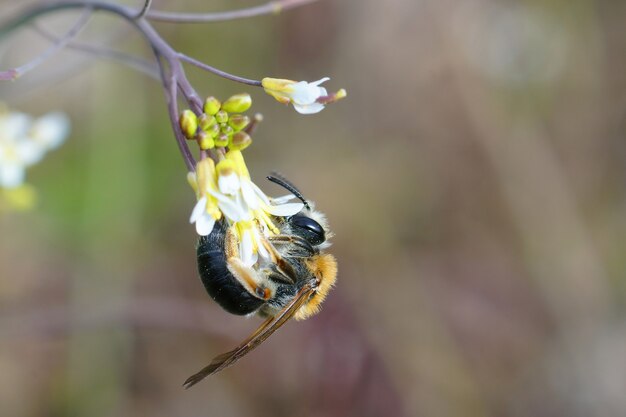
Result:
x=297 y=246
x=251 y=280
x=231 y=249
x=283 y=268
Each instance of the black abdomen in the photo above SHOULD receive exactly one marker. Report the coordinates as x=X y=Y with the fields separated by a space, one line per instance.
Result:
x=217 y=279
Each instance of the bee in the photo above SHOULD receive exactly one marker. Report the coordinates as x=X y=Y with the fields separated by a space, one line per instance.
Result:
x=292 y=284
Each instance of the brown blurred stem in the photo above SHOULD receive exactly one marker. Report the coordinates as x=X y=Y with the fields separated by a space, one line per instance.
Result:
x=272 y=7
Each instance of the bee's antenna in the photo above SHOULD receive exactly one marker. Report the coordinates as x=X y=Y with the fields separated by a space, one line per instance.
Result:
x=280 y=180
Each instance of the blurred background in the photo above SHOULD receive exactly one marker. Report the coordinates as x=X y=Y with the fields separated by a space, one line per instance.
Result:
x=474 y=178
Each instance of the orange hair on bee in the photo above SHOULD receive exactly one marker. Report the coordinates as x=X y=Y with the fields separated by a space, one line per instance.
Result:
x=324 y=267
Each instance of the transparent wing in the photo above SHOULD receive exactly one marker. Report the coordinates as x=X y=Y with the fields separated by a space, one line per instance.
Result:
x=264 y=331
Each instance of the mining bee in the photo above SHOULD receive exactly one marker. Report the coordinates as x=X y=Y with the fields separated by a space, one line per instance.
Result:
x=292 y=284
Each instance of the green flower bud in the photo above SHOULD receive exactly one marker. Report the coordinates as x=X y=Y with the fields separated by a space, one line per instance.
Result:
x=188 y=123
x=238 y=103
x=240 y=141
x=227 y=130
x=212 y=105
x=222 y=140
x=205 y=121
x=205 y=141
x=221 y=116
x=238 y=121
x=214 y=130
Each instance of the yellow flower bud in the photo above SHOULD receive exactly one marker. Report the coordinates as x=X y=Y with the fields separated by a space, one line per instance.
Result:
x=221 y=140
x=206 y=122
x=237 y=103
x=221 y=116
x=227 y=130
x=214 y=130
x=238 y=121
x=212 y=105
x=240 y=141
x=205 y=141
x=188 y=123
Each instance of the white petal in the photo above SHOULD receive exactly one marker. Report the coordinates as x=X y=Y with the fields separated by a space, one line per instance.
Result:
x=309 y=108
x=51 y=129
x=230 y=209
x=11 y=175
x=249 y=196
x=29 y=152
x=228 y=184
x=198 y=209
x=320 y=81
x=304 y=93
x=204 y=224
x=282 y=210
x=246 y=249
x=263 y=253
x=282 y=199
x=260 y=193
x=14 y=126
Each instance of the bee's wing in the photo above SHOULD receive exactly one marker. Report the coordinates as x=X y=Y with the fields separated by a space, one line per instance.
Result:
x=259 y=336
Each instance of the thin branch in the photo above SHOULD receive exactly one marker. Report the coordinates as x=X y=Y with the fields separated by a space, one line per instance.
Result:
x=144 y=10
x=13 y=74
x=216 y=71
x=273 y=7
x=170 y=91
x=139 y=64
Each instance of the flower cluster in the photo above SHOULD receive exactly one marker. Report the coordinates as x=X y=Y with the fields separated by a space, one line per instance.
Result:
x=24 y=141
x=222 y=181
x=221 y=124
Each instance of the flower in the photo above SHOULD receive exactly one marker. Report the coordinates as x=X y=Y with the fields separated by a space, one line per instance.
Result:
x=253 y=198
x=226 y=189
x=307 y=98
x=24 y=142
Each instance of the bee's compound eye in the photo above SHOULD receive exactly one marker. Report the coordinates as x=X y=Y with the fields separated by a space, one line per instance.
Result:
x=309 y=229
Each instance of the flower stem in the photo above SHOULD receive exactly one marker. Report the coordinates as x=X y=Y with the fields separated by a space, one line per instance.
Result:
x=216 y=71
x=60 y=43
x=272 y=7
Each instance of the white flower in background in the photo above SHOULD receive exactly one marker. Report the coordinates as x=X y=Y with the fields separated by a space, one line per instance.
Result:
x=226 y=189
x=24 y=142
x=307 y=98
x=50 y=130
